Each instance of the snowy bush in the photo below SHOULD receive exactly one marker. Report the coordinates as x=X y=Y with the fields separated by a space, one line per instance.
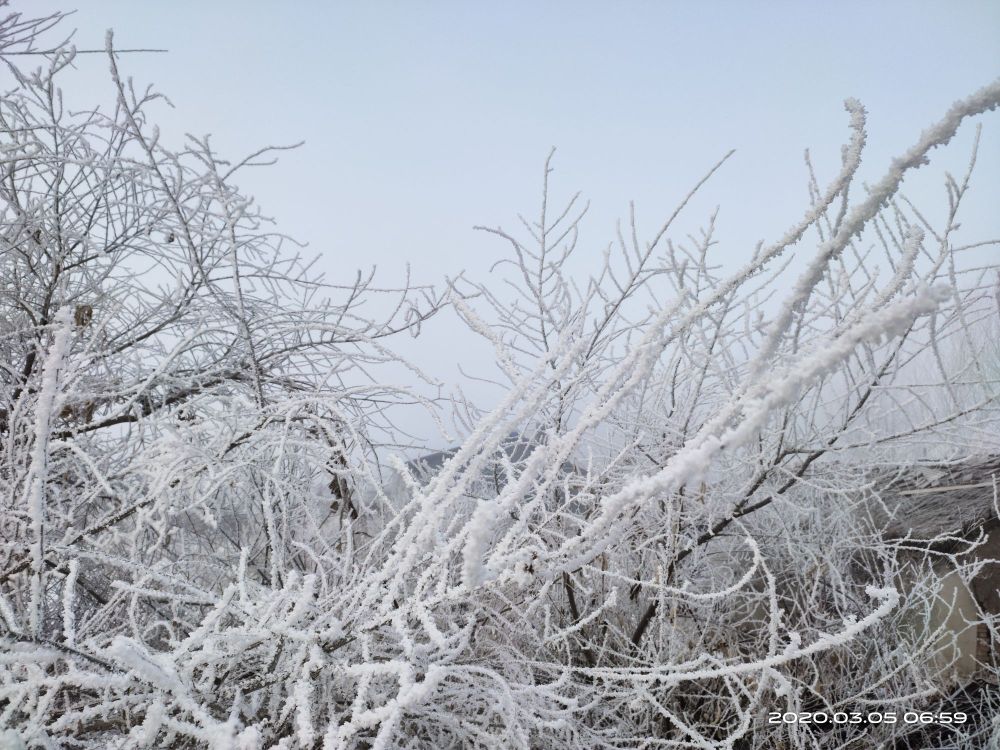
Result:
x=199 y=546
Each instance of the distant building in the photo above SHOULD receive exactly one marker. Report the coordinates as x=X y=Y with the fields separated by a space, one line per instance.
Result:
x=513 y=451
x=946 y=516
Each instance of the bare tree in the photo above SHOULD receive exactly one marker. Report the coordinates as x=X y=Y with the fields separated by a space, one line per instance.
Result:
x=199 y=547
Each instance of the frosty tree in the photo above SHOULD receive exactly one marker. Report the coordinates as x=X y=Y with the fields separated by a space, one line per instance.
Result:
x=200 y=545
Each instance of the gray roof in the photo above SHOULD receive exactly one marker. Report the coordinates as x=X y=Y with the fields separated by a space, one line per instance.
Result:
x=926 y=500
x=515 y=448
x=921 y=501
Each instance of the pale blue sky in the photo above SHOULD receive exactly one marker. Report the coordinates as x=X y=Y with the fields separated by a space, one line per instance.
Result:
x=424 y=118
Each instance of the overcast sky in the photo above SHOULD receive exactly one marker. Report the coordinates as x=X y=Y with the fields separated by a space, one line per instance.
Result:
x=421 y=119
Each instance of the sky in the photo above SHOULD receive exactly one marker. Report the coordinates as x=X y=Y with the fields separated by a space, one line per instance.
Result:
x=423 y=119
